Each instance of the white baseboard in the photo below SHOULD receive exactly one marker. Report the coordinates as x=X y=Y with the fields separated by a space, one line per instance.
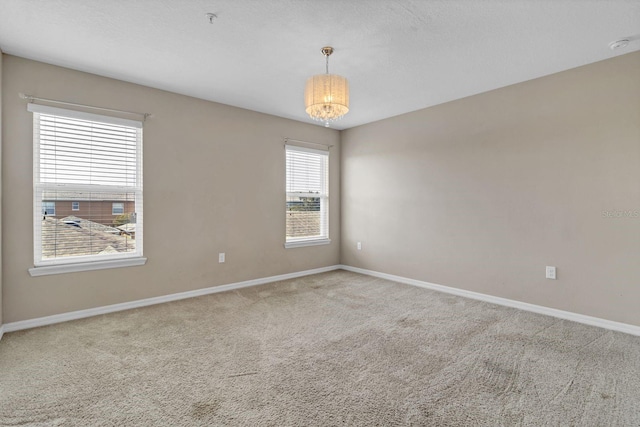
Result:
x=80 y=314
x=567 y=315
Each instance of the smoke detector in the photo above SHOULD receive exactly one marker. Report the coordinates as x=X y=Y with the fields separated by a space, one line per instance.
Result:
x=618 y=44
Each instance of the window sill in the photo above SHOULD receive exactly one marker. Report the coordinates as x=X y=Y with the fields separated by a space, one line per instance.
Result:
x=86 y=266
x=302 y=243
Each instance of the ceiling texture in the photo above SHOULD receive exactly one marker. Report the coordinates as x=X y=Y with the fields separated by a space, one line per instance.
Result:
x=399 y=55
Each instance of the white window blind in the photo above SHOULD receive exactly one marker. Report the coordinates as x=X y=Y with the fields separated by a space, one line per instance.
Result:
x=84 y=165
x=307 y=201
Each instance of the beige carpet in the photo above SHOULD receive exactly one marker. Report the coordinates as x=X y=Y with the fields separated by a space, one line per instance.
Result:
x=332 y=349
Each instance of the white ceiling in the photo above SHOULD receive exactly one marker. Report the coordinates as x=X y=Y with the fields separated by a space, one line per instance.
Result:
x=399 y=55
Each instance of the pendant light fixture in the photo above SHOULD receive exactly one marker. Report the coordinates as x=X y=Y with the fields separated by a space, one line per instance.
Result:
x=326 y=96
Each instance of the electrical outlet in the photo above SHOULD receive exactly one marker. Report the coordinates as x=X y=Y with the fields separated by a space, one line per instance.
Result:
x=359 y=246
x=551 y=273
x=221 y=257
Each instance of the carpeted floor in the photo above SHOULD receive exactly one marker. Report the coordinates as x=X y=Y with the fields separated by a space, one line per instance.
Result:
x=332 y=349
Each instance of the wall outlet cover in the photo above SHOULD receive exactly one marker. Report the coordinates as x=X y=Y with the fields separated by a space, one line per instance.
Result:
x=551 y=272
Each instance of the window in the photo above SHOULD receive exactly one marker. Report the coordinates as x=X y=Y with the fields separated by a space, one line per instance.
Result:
x=92 y=158
x=307 y=200
x=48 y=208
x=117 y=208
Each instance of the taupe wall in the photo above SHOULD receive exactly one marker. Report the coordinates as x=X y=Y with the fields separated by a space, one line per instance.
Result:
x=484 y=192
x=213 y=182
x=480 y=193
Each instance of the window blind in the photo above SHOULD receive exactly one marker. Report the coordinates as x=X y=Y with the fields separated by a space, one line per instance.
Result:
x=84 y=165
x=307 y=198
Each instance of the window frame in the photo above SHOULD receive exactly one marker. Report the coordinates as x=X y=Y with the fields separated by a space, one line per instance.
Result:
x=83 y=262
x=113 y=208
x=44 y=209
x=323 y=239
x=75 y=206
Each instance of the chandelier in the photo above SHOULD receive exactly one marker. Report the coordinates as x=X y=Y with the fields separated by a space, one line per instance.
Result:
x=326 y=96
